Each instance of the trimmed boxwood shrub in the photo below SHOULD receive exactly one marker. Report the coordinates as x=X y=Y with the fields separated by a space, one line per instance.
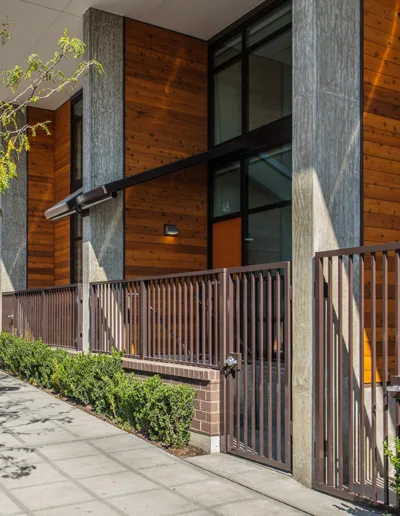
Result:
x=161 y=412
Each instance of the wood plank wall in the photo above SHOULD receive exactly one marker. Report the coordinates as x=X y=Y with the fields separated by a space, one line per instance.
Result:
x=48 y=183
x=381 y=154
x=165 y=120
x=62 y=188
x=40 y=198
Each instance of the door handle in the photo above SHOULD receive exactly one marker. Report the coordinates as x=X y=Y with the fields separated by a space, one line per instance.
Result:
x=233 y=361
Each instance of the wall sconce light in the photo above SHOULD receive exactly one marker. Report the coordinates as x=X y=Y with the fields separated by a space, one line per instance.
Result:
x=170 y=230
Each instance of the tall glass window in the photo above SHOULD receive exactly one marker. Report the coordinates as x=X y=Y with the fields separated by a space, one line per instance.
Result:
x=228 y=103
x=76 y=183
x=227 y=190
x=258 y=189
x=270 y=81
x=270 y=177
x=252 y=94
x=253 y=75
x=269 y=237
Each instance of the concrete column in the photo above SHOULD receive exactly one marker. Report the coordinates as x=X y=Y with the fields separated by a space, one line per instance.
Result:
x=326 y=177
x=13 y=228
x=103 y=148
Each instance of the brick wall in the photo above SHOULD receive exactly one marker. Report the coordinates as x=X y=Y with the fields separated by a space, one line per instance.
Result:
x=207 y=383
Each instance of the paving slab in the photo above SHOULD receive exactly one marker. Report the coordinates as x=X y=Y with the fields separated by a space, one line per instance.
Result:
x=277 y=486
x=82 y=509
x=56 y=460
x=46 y=496
x=7 y=506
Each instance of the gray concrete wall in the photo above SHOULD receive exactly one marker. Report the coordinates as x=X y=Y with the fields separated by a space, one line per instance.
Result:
x=13 y=228
x=326 y=177
x=103 y=144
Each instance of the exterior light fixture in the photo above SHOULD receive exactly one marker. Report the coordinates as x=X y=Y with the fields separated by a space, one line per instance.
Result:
x=249 y=239
x=170 y=230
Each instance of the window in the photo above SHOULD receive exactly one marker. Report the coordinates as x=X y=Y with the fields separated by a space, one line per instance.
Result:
x=227 y=190
x=270 y=177
x=76 y=183
x=251 y=94
x=258 y=190
x=228 y=102
x=252 y=75
x=269 y=236
x=270 y=81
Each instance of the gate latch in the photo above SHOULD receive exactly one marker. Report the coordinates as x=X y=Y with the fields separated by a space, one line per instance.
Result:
x=234 y=361
x=394 y=388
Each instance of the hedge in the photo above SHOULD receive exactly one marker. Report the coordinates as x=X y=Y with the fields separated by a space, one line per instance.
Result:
x=162 y=413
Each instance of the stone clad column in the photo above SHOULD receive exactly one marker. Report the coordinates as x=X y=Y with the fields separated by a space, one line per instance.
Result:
x=326 y=178
x=103 y=148
x=13 y=228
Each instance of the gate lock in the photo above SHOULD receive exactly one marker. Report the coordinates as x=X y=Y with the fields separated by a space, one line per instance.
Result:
x=233 y=362
x=394 y=388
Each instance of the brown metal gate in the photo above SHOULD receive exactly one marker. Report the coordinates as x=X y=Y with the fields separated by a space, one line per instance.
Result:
x=357 y=363
x=258 y=364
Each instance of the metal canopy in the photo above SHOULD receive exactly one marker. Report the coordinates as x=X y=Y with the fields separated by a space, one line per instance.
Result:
x=80 y=201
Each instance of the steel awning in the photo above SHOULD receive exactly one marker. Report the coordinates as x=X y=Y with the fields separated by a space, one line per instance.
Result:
x=80 y=201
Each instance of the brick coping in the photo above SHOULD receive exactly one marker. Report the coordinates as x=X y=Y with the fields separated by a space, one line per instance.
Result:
x=177 y=370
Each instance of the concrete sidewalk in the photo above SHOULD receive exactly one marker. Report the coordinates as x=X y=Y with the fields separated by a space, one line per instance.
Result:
x=56 y=460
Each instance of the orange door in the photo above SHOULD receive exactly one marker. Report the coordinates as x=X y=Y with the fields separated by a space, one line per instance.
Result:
x=227 y=243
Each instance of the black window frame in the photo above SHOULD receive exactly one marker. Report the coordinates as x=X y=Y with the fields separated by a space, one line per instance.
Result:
x=75 y=185
x=242 y=57
x=283 y=130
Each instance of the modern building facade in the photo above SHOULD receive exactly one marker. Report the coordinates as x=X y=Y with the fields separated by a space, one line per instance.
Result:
x=265 y=142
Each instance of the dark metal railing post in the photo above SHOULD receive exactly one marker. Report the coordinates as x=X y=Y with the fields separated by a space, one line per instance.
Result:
x=223 y=339
x=44 y=317
x=143 y=308
x=79 y=293
x=15 y=318
x=319 y=370
x=92 y=311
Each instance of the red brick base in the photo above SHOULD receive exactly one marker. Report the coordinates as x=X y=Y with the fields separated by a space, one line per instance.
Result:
x=206 y=382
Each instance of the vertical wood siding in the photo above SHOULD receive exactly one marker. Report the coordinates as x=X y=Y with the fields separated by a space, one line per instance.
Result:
x=165 y=120
x=381 y=152
x=48 y=183
x=381 y=121
x=40 y=198
x=62 y=188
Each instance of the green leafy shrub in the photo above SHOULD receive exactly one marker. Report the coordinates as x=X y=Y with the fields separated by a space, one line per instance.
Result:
x=161 y=412
x=394 y=458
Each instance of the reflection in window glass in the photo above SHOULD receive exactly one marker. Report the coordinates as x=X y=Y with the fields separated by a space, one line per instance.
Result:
x=273 y=22
x=227 y=190
x=270 y=81
x=228 y=103
x=270 y=177
x=228 y=50
x=270 y=236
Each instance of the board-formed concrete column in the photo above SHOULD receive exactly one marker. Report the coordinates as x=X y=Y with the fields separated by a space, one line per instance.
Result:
x=13 y=228
x=326 y=178
x=103 y=148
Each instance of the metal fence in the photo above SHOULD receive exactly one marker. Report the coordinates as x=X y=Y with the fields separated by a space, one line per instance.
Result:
x=172 y=318
x=259 y=390
x=357 y=361
x=52 y=314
